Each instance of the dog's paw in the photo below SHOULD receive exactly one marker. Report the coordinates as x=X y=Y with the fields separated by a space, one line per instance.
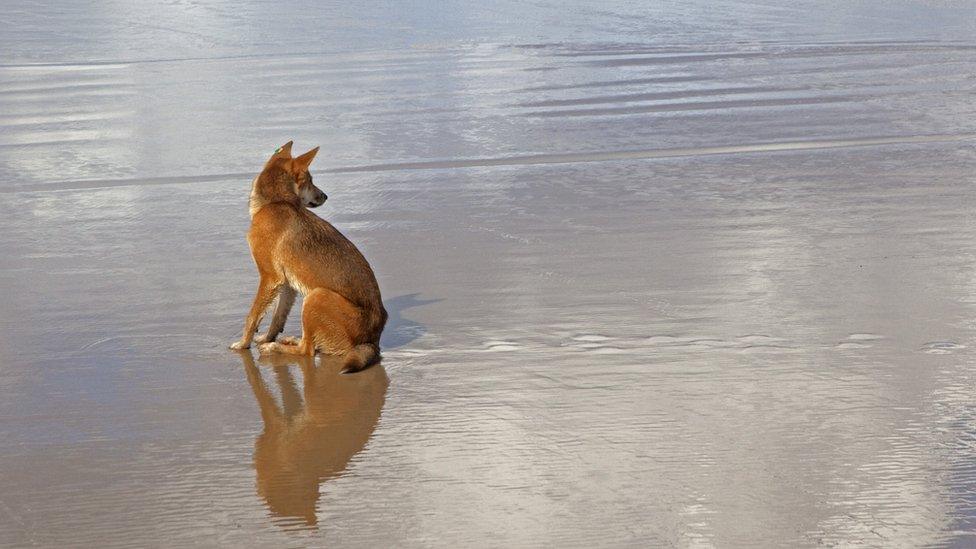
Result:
x=238 y=345
x=262 y=338
x=267 y=348
x=288 y=340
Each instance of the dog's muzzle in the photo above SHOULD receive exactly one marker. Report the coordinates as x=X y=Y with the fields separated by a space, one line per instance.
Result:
x=312 y=197
x=319 y=199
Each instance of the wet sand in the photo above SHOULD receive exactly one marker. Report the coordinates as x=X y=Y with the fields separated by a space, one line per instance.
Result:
x=658 y=276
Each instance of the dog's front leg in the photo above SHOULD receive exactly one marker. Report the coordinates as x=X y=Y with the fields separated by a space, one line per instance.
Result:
x=264 y=297
x=286 y=298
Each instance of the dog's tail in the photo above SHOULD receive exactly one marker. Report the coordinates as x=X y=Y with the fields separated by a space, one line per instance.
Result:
x=361 y=356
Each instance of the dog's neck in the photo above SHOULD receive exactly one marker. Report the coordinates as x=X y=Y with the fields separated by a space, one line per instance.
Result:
x=272 y=185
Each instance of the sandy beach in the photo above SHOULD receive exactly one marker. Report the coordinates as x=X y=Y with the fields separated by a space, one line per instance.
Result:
x=693 y=274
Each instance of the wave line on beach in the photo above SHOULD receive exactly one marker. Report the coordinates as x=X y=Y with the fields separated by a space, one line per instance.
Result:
x=521 y=160
x=569 y=158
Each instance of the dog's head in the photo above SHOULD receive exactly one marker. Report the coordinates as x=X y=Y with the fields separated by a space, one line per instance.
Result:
x=297 y=168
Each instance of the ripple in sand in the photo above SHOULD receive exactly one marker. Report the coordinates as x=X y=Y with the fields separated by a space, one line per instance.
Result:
x=501 y=345
x=859 y=341
x=592 y=338
x=852 y=345
x=865 y=337
x=941 y=347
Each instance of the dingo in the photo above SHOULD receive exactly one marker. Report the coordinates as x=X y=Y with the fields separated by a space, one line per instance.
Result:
x=294 y=249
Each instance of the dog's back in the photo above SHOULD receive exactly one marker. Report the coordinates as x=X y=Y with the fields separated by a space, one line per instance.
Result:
x=309 y=253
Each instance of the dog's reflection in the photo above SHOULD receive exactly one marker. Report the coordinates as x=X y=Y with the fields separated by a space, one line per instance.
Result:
x=306 y=441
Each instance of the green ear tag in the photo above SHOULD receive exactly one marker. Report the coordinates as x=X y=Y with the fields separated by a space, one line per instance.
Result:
x=278 y=150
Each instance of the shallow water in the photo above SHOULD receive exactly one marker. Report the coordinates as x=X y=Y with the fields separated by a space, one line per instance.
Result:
x=692 y=274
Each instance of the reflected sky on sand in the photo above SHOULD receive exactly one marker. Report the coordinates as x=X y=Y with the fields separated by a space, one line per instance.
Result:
x=671 y=273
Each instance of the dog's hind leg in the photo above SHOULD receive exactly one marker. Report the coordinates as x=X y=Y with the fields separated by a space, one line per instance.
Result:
x=303 y=347
x=334 y=325
x=286 y=298
x=331 y=324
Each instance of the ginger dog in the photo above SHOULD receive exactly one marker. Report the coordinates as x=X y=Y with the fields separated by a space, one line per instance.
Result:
x=295 y=250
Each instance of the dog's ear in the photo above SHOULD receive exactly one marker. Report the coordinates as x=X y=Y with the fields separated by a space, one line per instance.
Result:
x=303 y=161
x=283 y=151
